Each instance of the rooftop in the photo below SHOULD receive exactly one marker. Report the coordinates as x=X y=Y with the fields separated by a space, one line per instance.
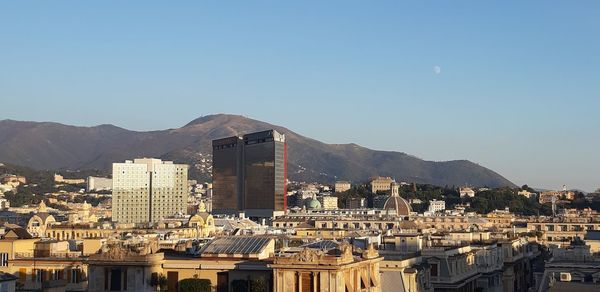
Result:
x=236 y=245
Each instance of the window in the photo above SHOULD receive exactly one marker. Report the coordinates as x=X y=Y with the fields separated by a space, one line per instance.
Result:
x=75 y=275
x=37 y=276
x=434 y=270
x=55 y=275
x=3 y=259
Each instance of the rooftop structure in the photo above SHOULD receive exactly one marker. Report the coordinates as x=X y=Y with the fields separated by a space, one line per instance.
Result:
x=240 y=246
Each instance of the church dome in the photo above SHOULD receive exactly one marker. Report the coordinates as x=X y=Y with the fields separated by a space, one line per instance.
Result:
x=397 y=203
x=313 y=204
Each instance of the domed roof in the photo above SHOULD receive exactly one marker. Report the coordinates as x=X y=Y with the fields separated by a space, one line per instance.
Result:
x=397 y=203
x=313 y=204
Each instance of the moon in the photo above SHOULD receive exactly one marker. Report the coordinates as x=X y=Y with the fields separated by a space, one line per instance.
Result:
x=437 y=70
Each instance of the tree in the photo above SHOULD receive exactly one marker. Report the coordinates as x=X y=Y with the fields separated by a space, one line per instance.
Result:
x=195 y=285
x=239 y=285
x=160 y=281
x=258 y=284
x=527 y=188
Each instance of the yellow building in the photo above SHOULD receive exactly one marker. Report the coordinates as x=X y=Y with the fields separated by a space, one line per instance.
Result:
x=203 y=222
x=40 y=263
x=225 y=262
x=40 y=221
x=70 y=181
x=324 y=233
x=342 y=186
x=381 y=184
x=407 y=273
x=335 y=270
x=329 y=202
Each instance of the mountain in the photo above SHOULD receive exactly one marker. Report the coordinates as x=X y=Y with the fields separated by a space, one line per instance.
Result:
x=45 y=145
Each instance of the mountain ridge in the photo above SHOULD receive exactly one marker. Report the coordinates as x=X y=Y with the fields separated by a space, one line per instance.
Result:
x=49 y=145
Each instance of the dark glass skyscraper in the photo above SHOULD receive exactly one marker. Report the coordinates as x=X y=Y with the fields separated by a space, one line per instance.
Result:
x=260 y=166
x=227 y=175
x=264 y=173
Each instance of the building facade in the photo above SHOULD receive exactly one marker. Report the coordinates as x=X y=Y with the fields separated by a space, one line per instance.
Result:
x=437 y=206
x=329 y=202
x=342 y=186
x=250 y=174
x=98 y=184
x=148 y=190
x=337 y=270
x=381 y=183
x=227 y=175
x=466 y=192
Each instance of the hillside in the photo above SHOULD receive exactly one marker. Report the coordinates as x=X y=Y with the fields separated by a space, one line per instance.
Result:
x=44 y=145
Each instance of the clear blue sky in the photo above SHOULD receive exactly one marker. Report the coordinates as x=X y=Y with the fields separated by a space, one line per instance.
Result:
x=518 y=91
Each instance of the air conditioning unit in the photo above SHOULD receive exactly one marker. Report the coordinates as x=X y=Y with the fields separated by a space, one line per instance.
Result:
x=565 y=277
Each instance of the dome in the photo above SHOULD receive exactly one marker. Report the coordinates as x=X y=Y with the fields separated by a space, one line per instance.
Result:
x=313 y=204
x=397 y=204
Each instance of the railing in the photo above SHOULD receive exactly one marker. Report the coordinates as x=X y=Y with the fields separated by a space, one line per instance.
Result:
x=59 y=255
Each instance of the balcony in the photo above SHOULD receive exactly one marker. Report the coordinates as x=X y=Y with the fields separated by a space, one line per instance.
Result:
x=53 y=255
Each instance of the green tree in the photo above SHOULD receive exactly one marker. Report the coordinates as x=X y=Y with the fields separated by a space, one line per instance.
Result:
x=195 y=285
x=239 y=285
x=259 y=284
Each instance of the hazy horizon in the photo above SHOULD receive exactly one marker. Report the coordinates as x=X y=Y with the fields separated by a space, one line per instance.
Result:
x=513 y=86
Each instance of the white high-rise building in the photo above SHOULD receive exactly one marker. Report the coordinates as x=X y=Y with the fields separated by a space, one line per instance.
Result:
x=437 y=206
x=147 y=190
x=98 y=184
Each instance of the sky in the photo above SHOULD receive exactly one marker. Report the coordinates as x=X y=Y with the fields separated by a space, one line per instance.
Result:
x=511 y=85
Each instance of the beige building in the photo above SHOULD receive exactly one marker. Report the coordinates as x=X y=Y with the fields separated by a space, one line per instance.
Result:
x=563 y=230
x=41 y=263
x=546 y=197
x=225 y=262
x=526 y=194
x=70 y=181
x=329 y=202
x=448 y=223
x=98 y=183
x=335 y=270
x=466 y=192
x=12 y=180
x=381 y=183
x=342 y=186
x=147 y=190
x=125 y=267
x=203 y=222
x=40 y=221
